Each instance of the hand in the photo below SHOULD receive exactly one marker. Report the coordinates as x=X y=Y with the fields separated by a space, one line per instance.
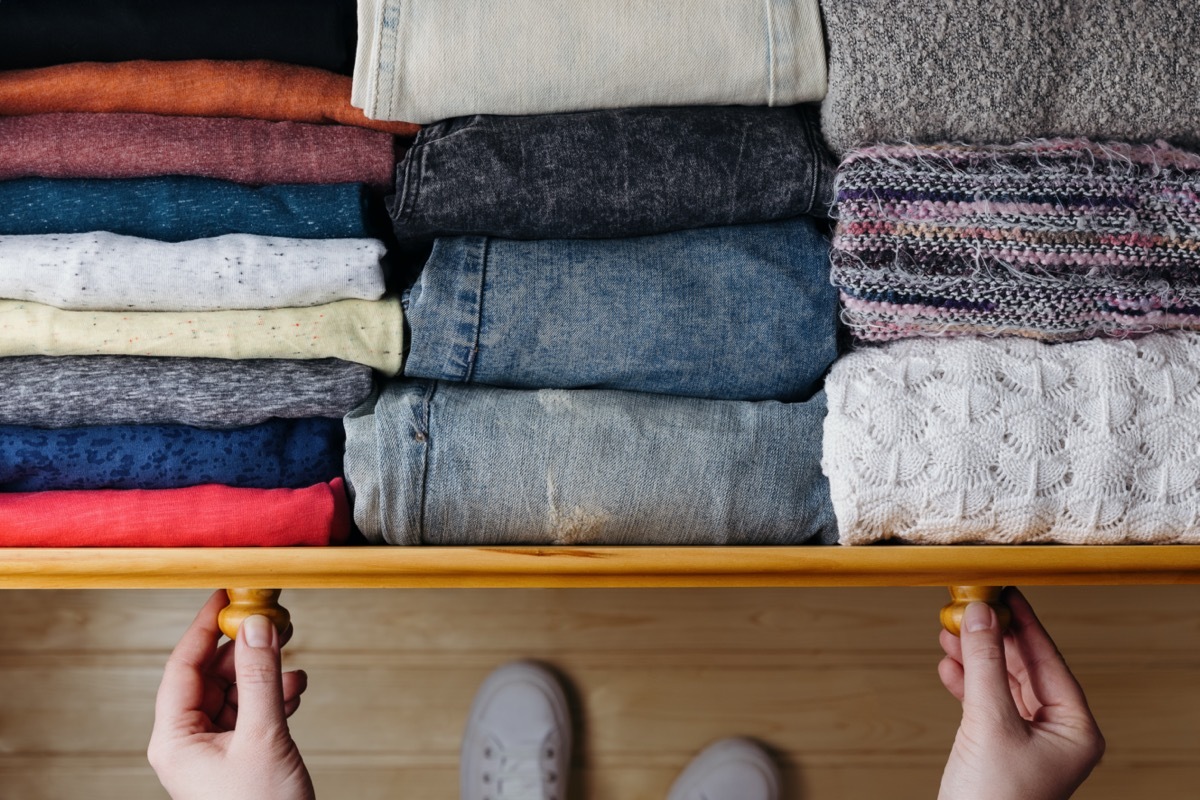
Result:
x=220 y=722
x=1027 y=732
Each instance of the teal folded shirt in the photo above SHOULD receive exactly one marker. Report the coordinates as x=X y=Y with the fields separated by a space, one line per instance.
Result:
x=176 y=209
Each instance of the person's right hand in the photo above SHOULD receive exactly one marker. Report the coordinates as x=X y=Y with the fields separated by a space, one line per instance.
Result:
x=1027 y=732
x=220 y=723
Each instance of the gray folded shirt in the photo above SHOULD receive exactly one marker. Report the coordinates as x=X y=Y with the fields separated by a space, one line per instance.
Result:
x=45 y=392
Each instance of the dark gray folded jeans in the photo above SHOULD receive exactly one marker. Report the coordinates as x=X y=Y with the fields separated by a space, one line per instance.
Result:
x=608 y=174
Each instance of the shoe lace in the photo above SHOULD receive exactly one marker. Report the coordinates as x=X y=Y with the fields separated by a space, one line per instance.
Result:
x=519 y=775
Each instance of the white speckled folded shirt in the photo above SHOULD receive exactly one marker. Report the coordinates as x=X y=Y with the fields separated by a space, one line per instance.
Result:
x=108 y=272
x=366 y=332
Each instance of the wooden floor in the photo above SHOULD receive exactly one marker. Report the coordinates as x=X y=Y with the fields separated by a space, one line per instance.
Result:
x=841 y=682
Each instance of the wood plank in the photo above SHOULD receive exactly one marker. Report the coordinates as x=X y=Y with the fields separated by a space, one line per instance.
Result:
x=129 y=778
x=841 y=681
x=1116 y=625
x=649 y=715
x=563 y=567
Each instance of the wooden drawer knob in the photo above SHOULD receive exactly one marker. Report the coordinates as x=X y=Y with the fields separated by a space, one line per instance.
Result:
x=963 y=596
x=249 y=602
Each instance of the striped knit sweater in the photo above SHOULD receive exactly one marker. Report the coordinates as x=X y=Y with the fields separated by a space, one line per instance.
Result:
x=1052 y=239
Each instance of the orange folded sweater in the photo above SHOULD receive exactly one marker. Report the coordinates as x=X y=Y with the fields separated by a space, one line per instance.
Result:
x=248 y=89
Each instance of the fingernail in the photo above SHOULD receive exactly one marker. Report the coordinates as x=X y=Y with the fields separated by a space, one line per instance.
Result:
x=978 y=617
x=257 y=630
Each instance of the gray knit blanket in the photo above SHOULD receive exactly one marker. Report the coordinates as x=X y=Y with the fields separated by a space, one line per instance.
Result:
x=986 y=71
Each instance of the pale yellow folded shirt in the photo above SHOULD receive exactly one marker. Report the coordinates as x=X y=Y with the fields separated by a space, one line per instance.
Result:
x=368 y=332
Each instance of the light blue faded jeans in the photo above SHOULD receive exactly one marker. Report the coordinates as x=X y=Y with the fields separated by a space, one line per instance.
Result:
x=740 y=312
x=439 y=463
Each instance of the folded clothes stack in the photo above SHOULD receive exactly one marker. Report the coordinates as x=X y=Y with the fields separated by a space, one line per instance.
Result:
x=626 y=326
x=192 y=293
x=973 y=218
x=622 y=329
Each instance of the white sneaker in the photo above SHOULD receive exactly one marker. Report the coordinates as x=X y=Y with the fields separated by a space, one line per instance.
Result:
x=730 y=769
x=517 y=744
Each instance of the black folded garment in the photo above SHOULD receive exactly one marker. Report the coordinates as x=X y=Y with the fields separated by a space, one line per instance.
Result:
x=611 y=174
x=42 y=33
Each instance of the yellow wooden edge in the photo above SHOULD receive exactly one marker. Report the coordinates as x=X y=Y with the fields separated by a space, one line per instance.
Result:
x=448 y=567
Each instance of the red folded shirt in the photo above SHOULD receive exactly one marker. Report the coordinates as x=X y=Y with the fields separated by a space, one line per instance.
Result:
x=241 y=150
x=200 y=516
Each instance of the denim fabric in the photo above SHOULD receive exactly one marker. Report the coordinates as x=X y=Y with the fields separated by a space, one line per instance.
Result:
x=176 y=209
x=607 y=174
x=429 y=60
x=280 y=454
x=39 y=33
x=737 y=313
x=445 y=464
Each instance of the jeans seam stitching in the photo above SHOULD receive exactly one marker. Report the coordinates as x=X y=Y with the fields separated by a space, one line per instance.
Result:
x=771 y=77
x=473 y=353
x=818 y=161
x=412 y=184
x=426 y=446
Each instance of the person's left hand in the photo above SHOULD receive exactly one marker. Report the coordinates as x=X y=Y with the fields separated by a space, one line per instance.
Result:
x=220 y=722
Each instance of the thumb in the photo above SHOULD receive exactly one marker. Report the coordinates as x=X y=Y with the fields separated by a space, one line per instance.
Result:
x=259 y=681
x=985 y=672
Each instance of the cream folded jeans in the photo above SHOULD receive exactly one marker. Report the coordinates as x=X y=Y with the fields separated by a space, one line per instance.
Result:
x=428 y=60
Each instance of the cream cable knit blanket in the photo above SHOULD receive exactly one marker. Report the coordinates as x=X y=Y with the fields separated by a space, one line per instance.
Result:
x=1016 y=441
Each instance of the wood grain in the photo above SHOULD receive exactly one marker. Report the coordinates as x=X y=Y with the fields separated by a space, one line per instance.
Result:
x=841 y=682
x=580 y=567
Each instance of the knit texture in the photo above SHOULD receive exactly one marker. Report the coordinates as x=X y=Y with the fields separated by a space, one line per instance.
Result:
x=200 y=516
x=1051 y=239
x=987 y=71
x=253 y=151
x=107 y=272
x=366 y=332
x=280 y=454
x=66 y=392
x=248 y=89
x=174 y=209
x=1015 y=441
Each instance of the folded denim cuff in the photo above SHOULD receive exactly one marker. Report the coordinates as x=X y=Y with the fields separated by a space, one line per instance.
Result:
x=796 y=35
x=445 y=464
x=450 y=315
x=385 y=464
x=610 y=174
x=732 y=313
x=426 y=61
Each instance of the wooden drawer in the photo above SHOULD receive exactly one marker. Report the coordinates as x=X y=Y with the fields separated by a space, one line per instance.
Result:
x=559 y=567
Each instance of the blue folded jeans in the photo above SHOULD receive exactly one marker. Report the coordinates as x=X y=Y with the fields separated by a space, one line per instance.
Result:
x=439 y=463
x=175 y=209
x=734 y=313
